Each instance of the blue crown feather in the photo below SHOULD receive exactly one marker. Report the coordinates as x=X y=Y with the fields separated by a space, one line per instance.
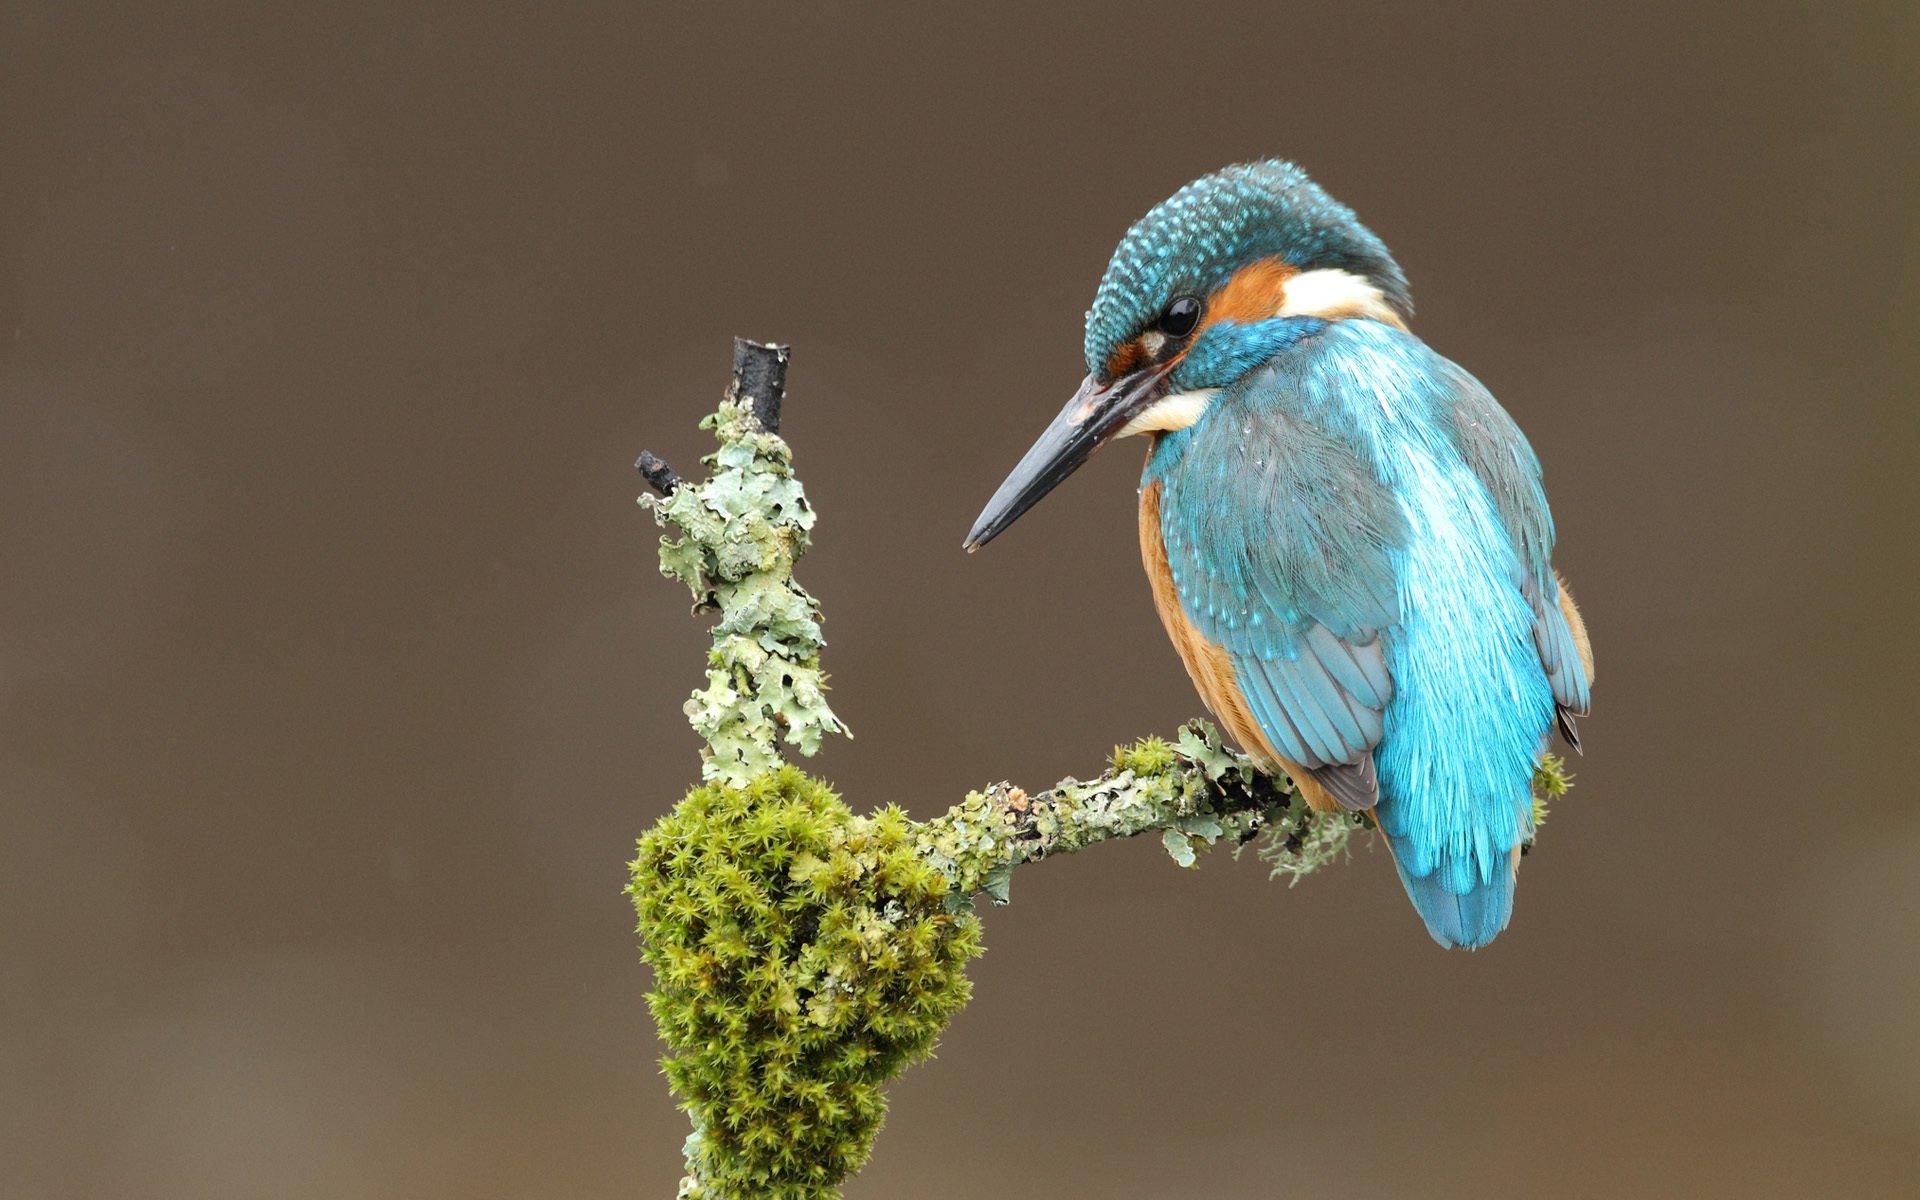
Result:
x=1193 y=241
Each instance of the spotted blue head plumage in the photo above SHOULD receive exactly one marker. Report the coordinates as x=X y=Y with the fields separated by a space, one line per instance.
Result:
x=1193 y=242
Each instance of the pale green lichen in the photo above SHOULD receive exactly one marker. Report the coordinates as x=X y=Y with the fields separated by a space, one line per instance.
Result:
x=1194 y=792
x=741 y=531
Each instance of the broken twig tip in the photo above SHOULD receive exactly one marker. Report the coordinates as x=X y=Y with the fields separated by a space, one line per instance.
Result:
x=760 y=375
x=659 y=476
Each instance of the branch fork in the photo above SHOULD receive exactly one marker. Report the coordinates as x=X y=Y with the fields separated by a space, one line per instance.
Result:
x=804 y=954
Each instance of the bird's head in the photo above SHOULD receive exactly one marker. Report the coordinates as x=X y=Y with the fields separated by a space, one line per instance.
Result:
x=1227 y=272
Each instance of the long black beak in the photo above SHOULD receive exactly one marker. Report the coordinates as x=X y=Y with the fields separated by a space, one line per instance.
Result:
x=1096 y=413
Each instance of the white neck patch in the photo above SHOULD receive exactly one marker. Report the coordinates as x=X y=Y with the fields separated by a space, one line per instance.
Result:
x=1332 y=293
x=1170 y=412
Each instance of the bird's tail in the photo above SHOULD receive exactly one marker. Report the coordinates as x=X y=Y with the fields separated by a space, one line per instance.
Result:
x=1466 y=919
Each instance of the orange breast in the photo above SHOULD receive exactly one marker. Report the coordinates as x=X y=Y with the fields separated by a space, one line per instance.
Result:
x=1206 y=663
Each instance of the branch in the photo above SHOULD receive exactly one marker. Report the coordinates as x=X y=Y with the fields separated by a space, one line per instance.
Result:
x=741 y=530
x=1194 y=793
x=803 y=954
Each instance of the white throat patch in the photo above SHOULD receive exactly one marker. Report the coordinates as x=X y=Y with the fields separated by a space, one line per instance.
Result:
x=1170 y=412
x=1333 y=293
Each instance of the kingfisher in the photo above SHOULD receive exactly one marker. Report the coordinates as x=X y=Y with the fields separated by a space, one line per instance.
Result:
x=1347 y=538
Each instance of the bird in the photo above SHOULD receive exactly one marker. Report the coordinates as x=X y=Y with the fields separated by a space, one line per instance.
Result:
x=1346 y=536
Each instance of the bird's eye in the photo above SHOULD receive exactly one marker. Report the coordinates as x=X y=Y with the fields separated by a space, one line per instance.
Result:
x=1181 y=316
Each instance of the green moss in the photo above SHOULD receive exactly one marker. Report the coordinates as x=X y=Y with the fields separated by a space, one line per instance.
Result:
x=802 y=957
x=1551 y=780
x=1148 y=756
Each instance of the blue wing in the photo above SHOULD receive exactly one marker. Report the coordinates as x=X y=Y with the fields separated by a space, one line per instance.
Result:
x=1498 y=454
x=1280 y=541
x=1281 y=533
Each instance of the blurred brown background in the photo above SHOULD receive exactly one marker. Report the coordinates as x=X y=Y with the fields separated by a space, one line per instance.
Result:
x=337 y=679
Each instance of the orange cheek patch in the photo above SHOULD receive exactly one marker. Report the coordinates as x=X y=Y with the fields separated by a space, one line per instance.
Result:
x=1255 y=293
x=1126 y=359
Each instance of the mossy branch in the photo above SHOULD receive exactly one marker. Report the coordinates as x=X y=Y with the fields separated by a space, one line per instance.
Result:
x=803 y=955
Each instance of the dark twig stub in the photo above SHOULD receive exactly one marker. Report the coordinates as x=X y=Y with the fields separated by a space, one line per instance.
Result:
x=659 y=476
x=760 y=374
